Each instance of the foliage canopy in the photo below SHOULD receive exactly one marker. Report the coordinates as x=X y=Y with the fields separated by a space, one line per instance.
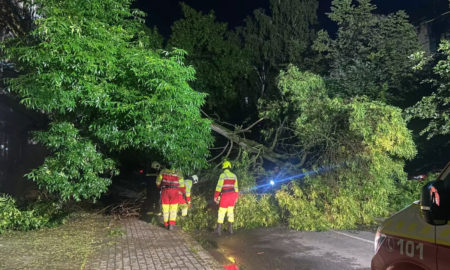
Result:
x=362 y=143
x=215 y=54
x=104 y=88
x=370 y=55
x=275 y=40
x=436 y=107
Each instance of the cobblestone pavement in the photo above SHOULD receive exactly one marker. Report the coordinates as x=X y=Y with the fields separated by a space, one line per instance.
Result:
x=146 y=246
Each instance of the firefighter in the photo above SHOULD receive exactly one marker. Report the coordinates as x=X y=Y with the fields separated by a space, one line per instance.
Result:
x=226 y=196
x=171 y=184
x=185 y=202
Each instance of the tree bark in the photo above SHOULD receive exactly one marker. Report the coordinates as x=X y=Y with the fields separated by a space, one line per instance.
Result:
x=249 y=145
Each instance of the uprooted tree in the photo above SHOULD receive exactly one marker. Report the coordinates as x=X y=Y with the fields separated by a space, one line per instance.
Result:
x=356 y=147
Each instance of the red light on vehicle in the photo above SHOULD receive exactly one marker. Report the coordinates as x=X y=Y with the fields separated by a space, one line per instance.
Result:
x=141 y=171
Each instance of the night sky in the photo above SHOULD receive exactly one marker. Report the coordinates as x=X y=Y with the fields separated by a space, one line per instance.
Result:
x=163 y=13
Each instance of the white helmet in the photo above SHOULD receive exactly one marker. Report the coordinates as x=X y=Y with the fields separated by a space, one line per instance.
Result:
x=195 y=179
x=156 y=165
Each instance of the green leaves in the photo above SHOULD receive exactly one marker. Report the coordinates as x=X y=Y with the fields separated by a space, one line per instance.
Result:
x=382 y=128
x=436 y=107
x=301 y=209
x=365 y=143
x=38 y=215
x=370 y=55
x=275 y=40
x=72 y=170
x=335 y=126
x=253 y=211
x=92 y=67
x=216 y=56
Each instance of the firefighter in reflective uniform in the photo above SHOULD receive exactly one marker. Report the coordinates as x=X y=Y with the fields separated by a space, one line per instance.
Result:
x=226 y=196
x=171 y=184
x=185 y=201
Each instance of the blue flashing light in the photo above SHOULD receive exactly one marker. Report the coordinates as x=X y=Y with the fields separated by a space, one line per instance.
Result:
x=293 y=177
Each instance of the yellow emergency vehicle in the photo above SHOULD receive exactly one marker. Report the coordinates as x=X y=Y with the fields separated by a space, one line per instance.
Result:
x=418 y=237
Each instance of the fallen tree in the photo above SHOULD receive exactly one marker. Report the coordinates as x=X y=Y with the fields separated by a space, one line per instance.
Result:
x=247 y=144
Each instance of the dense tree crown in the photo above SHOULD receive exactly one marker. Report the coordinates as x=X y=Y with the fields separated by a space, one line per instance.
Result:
x=436 y=107
x=275 y=40
x=216 y=56
x=92 y=68
x=335 y=130
x=370 y=55
x=360 y=144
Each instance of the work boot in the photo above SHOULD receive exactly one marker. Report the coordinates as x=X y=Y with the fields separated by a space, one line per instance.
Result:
x=171 y=227
x=230 y=227
x=219 y=229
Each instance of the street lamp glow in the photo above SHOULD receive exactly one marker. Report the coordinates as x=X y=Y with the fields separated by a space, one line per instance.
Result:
x=272 y=182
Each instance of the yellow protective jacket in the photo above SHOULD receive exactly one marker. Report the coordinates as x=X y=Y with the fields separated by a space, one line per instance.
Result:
x=227 y=182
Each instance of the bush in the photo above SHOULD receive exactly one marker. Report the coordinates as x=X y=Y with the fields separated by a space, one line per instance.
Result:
x=9 y=214
x=301 y=209
x=243 y=171
x=344 y=199
x=250 y=211
x=37 y=215
x=200 y=217
x=254 y=211
x=407 y=192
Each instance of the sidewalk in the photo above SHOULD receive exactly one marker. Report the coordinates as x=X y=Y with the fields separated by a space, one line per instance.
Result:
x=146 y=246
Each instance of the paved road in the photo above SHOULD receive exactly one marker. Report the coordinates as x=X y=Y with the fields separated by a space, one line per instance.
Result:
x=279 y=248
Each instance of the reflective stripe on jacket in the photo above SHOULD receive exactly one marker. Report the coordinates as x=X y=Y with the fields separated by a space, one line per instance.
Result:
x=188 y=184
x=227 y=182
x=170 y=179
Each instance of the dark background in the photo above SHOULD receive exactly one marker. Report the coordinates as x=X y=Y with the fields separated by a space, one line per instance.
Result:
x=163 y=13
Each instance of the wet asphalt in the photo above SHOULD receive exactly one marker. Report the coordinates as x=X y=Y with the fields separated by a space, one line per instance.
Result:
x=281 y=248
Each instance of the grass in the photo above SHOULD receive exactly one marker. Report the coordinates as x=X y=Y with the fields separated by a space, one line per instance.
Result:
x=65 y=247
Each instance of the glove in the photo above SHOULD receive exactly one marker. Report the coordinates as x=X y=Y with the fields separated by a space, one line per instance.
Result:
x=216 y=200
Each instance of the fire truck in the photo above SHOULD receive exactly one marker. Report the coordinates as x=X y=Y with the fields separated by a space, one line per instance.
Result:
x=418 y=237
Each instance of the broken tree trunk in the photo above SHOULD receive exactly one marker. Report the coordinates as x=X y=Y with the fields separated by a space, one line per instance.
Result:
x=249 y=145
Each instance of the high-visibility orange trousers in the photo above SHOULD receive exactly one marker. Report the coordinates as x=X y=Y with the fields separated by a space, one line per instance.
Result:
x=226 y=206
x=170 y=198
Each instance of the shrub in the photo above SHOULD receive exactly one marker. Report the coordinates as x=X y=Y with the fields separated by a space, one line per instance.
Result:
x=301 y=209
x=201 y=216
x=9 y=214
x=37 y=215
x=251 y=211
x=344 y=199
x=407 y=192
x=242 y=169
x=254 y=211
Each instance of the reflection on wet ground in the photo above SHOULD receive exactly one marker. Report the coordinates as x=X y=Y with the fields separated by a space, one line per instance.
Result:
x=281 y=248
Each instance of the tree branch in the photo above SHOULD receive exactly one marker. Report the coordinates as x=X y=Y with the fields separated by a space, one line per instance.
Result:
x=248 y=145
